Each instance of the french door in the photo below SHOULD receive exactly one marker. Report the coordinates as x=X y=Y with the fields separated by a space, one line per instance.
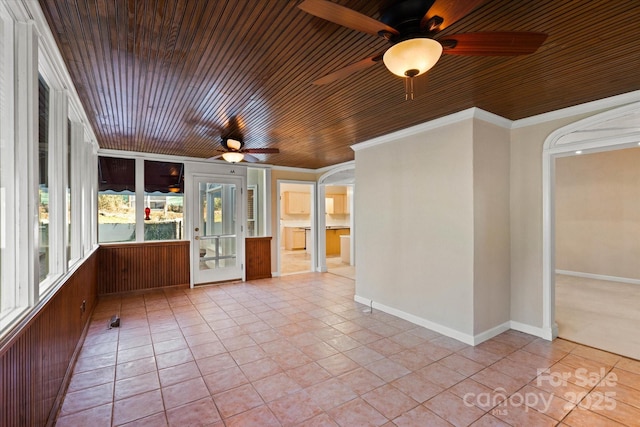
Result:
x=217 y=239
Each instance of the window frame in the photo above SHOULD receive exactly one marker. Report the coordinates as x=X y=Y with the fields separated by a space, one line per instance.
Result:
x=10 y=298
x=141 y=195
x=57 y=181
x=30 y=51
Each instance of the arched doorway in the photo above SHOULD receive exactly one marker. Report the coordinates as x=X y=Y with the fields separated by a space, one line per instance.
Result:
x=612 y=130
x=336 y=246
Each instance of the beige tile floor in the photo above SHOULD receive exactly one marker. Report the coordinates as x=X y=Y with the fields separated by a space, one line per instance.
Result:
x=298 y=261
x=297 y=350
x=599 y=313
x=294 y=262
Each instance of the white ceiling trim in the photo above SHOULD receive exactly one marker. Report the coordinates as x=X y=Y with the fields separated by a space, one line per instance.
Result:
x=470 y=113
x=586 y=108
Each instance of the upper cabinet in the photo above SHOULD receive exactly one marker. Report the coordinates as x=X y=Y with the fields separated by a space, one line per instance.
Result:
x=336 y=204
x=297 y=203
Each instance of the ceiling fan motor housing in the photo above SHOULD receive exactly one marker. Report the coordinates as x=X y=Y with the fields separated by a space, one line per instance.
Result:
x=232 y=143
x=406 y=16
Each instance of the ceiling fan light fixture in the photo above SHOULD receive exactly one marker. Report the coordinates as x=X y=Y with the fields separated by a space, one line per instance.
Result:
x=233 y=156
x=412 y=57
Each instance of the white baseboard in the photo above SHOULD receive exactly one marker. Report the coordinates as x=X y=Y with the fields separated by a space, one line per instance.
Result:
x=441 y=329
x=490 y=333
x=599 y=277
x=545 y=333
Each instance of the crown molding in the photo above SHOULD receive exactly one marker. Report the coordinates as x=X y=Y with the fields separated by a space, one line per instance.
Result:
x=292 y=169
x=469 y=113
x=339 y=166
x=586 y=108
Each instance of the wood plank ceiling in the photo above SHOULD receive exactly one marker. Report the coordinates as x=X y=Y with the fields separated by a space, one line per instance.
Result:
x=166 y=76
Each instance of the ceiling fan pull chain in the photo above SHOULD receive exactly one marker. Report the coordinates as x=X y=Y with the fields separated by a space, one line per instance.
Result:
x=408 y=89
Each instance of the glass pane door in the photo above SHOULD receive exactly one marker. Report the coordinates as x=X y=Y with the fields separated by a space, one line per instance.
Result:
x=217 y=232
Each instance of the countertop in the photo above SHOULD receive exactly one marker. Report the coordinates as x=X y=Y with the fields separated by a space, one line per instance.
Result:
x=330 y=227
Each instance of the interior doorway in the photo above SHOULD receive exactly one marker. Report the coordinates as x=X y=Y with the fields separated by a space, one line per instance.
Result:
x=597 y=229
x=338 y=207
x=598 y=289
x=296 y=227
x=337 y=226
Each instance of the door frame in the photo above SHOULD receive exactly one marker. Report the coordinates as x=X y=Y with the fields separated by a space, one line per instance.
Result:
x=313 y=222
x=611 y=130
x=241 y=207
x=323 y=181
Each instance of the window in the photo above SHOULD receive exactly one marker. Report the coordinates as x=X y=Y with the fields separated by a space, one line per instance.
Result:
x=40 y=161
x=116 y=200
x=43 y=173
x=9 y=299
x=162 y=200
x=164 y=197
x=256 y=197
x=68 y=192
x=251 y=210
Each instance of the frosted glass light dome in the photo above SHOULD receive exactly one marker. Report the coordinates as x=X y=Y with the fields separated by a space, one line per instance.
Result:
x=412 y=57
x=233 y=156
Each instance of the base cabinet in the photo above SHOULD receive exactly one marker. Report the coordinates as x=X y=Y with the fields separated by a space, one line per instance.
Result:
x=294 y=238
x=333 y=239
x=258 y=257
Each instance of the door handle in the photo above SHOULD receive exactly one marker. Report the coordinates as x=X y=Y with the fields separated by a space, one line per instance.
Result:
x=197 y=238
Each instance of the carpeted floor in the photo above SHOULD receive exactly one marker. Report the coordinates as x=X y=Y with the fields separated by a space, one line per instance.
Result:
x=599 y=313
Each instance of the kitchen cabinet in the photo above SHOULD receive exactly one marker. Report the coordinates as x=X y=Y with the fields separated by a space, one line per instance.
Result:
x=294 y=238
x=336 y=204
x=297 y=203
x=333 y=239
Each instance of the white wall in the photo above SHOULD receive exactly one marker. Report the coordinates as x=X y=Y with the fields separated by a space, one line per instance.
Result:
x=415 y=225
x=451 y=221
x=598 y=213
x=526 y=216
x=491 y=291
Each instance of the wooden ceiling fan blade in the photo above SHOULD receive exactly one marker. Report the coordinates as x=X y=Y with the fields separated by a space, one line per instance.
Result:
x=261 y=150
x=348 y=70
x=493 y=43
x=450 y=11
x=346 y=17
x=251 y=159
x=219 y=156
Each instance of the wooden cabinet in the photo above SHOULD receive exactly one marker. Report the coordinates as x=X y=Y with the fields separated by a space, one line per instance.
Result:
x=336 y=204
x=258 y=257
x=333 y=239
x=294 y=238
x=297 y=203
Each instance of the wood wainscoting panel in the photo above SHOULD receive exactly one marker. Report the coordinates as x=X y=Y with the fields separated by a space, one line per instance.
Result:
x=36 y=358
x=139 y=266
x=258 y=257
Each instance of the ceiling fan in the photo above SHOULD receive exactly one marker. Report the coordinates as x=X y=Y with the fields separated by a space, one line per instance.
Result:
x=232 y=143
x=411 y=27
x=234 y=153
